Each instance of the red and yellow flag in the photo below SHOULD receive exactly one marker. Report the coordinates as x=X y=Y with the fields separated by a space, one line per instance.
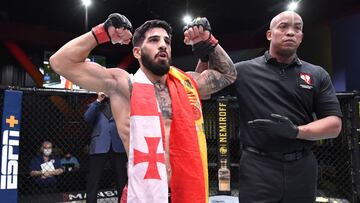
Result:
x=187 y=144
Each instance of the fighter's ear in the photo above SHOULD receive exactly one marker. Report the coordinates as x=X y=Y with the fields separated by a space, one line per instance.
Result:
x=137 y=52
x=268 y=35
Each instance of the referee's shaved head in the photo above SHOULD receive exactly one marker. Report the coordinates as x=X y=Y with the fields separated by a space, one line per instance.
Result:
x=276 y=19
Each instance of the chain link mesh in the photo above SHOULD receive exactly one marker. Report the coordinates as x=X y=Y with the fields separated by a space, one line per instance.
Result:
x=334 y=156
x=57 y=116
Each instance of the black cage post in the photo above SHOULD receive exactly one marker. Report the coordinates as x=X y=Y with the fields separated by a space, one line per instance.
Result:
x=353 y=137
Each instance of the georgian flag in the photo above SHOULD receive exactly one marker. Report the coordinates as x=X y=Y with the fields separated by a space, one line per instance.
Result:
x=147 y=177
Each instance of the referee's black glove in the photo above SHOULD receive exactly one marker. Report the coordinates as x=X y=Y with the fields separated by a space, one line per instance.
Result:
x=277 y=125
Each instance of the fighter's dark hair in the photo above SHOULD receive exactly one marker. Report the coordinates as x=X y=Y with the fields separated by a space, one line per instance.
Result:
x=139 y=34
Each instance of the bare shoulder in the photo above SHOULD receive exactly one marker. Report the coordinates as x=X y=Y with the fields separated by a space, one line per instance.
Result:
x=120 y=82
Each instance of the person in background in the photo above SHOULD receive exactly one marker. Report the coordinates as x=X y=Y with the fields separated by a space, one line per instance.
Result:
x=45 y=168
x=70 y=162
x=105 y=146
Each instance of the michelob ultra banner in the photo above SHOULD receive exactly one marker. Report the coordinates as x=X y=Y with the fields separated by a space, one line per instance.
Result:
x=10 y=136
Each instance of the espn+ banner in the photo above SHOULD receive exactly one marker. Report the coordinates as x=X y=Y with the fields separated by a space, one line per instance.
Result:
x=10 y=136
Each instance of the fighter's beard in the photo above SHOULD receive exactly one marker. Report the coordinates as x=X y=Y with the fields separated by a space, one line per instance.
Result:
x=161 y=68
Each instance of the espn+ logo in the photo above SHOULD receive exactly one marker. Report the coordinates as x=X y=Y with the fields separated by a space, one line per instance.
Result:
x=9 y=159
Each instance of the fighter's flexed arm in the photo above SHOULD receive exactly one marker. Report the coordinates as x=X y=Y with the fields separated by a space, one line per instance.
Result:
x=69 y=60
x=215 y=69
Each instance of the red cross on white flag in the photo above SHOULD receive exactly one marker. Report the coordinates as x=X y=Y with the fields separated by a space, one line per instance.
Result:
x=152 y=158
x=147 y=172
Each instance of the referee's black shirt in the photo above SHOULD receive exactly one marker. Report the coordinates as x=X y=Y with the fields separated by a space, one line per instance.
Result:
x=297 y=90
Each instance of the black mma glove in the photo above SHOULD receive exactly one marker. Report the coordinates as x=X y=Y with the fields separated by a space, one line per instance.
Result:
x=203 y=48
x=277 y=125
x=100 y=31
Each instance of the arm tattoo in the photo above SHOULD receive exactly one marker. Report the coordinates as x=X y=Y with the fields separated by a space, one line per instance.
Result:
x=221 y=72
x=214 y=81
x=213 y=76
x=201 y=66
x=220 y=61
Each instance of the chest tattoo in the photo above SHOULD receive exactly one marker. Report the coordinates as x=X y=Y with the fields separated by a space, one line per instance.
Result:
x=163 y=97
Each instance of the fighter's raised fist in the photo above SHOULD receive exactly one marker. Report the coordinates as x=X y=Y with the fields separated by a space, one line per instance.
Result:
x=197 y=30
x=198 y=34
x=117 y=29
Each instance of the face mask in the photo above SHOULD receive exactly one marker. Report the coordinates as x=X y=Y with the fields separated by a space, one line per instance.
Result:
x=47 y=152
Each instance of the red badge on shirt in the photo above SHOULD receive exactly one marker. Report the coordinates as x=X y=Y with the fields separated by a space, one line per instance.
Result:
x=306 y=78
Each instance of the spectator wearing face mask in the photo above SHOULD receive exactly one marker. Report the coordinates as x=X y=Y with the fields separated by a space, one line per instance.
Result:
x=45 y=168
x=69 y=162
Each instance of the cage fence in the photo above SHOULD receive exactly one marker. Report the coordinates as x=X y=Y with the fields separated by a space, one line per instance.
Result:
x=57 y=116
